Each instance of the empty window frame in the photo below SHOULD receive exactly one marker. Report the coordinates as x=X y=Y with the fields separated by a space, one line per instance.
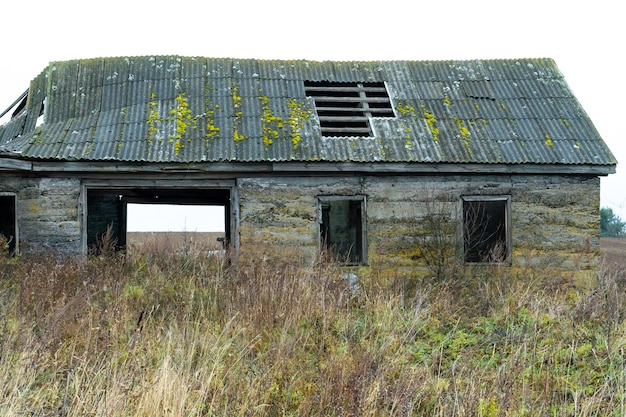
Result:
x=8 y=221
x=342 y=228
x=345 y=108
x=486 y=229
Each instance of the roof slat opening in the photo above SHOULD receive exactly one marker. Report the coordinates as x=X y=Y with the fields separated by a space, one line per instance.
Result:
x=341 y=105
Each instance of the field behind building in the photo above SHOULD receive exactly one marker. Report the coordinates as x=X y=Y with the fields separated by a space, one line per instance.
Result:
x=180 y=242
x=162 y=331
x=614 y=250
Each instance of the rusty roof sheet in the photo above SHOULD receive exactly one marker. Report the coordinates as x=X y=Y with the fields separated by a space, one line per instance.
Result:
x=190 y=109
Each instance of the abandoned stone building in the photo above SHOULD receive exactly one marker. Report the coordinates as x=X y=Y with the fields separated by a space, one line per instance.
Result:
x=494 y=160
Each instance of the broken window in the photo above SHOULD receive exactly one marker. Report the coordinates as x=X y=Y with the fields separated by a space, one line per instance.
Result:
x=8 y=223
x=486 y=234
x=345 y=108
x=342 y=228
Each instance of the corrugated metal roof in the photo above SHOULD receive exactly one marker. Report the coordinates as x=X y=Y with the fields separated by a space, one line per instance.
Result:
x=194 y=109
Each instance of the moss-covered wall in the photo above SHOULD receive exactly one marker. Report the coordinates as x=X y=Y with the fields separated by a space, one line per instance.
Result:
x=411 y=220
x=47 y=212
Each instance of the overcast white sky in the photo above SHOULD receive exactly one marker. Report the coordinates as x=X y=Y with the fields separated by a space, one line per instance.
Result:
x=586 y=39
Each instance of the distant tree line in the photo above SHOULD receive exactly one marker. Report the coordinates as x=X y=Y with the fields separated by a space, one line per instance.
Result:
x=610 y=224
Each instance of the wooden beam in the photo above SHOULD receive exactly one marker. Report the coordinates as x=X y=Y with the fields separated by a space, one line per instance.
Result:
x=330 y=129
x=442 y=168
x=362 y=119
x=164 y=168
x=174 y=183
x=242 y=169
x=15 y=164
x=347 y=88
x=331 y=99
x=325 y=109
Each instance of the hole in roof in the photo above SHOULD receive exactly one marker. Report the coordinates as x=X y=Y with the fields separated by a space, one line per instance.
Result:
x=40 y=118
x=17 y=106
x=345 y=108
x=478 y=89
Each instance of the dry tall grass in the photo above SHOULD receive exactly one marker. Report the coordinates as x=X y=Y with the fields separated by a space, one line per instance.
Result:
x=160 y=334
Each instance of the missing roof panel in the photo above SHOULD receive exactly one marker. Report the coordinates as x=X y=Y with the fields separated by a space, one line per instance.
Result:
x=478 y=89
x=18 y=105
x=345 y=108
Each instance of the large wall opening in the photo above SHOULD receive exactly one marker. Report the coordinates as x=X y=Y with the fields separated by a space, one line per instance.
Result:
x=145 y=217
x=135 y=217
x=187 y=226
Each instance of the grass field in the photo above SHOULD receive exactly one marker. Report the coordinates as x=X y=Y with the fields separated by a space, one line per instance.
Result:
x=614 y=250
x=197 y=241
x=164 y=332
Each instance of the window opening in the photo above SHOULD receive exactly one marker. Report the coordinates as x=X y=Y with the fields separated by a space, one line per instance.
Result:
x=342 y=229
x=345 y=108
x=8 y=222
x=486 y=234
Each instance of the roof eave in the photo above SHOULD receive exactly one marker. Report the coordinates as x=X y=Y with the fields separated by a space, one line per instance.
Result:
x=447 y=168
x=307 y=167
x=13 y=164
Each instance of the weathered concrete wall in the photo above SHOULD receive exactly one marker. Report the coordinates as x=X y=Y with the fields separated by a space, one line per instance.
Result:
x=410 y=219
x=556 y=224
x=554 y=220
x=47 y=212
x=281 y=213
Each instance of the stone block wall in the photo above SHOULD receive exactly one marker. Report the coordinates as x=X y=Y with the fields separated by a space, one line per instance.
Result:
x=47 y=212
x=554 y=219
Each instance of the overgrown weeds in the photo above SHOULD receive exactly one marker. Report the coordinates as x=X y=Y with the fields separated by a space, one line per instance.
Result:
x=165 y=333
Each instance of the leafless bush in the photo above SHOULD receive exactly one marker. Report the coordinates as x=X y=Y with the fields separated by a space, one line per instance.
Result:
x=437 y=238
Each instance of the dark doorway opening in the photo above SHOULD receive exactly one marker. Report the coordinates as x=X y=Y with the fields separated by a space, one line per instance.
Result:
x=8 y=224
